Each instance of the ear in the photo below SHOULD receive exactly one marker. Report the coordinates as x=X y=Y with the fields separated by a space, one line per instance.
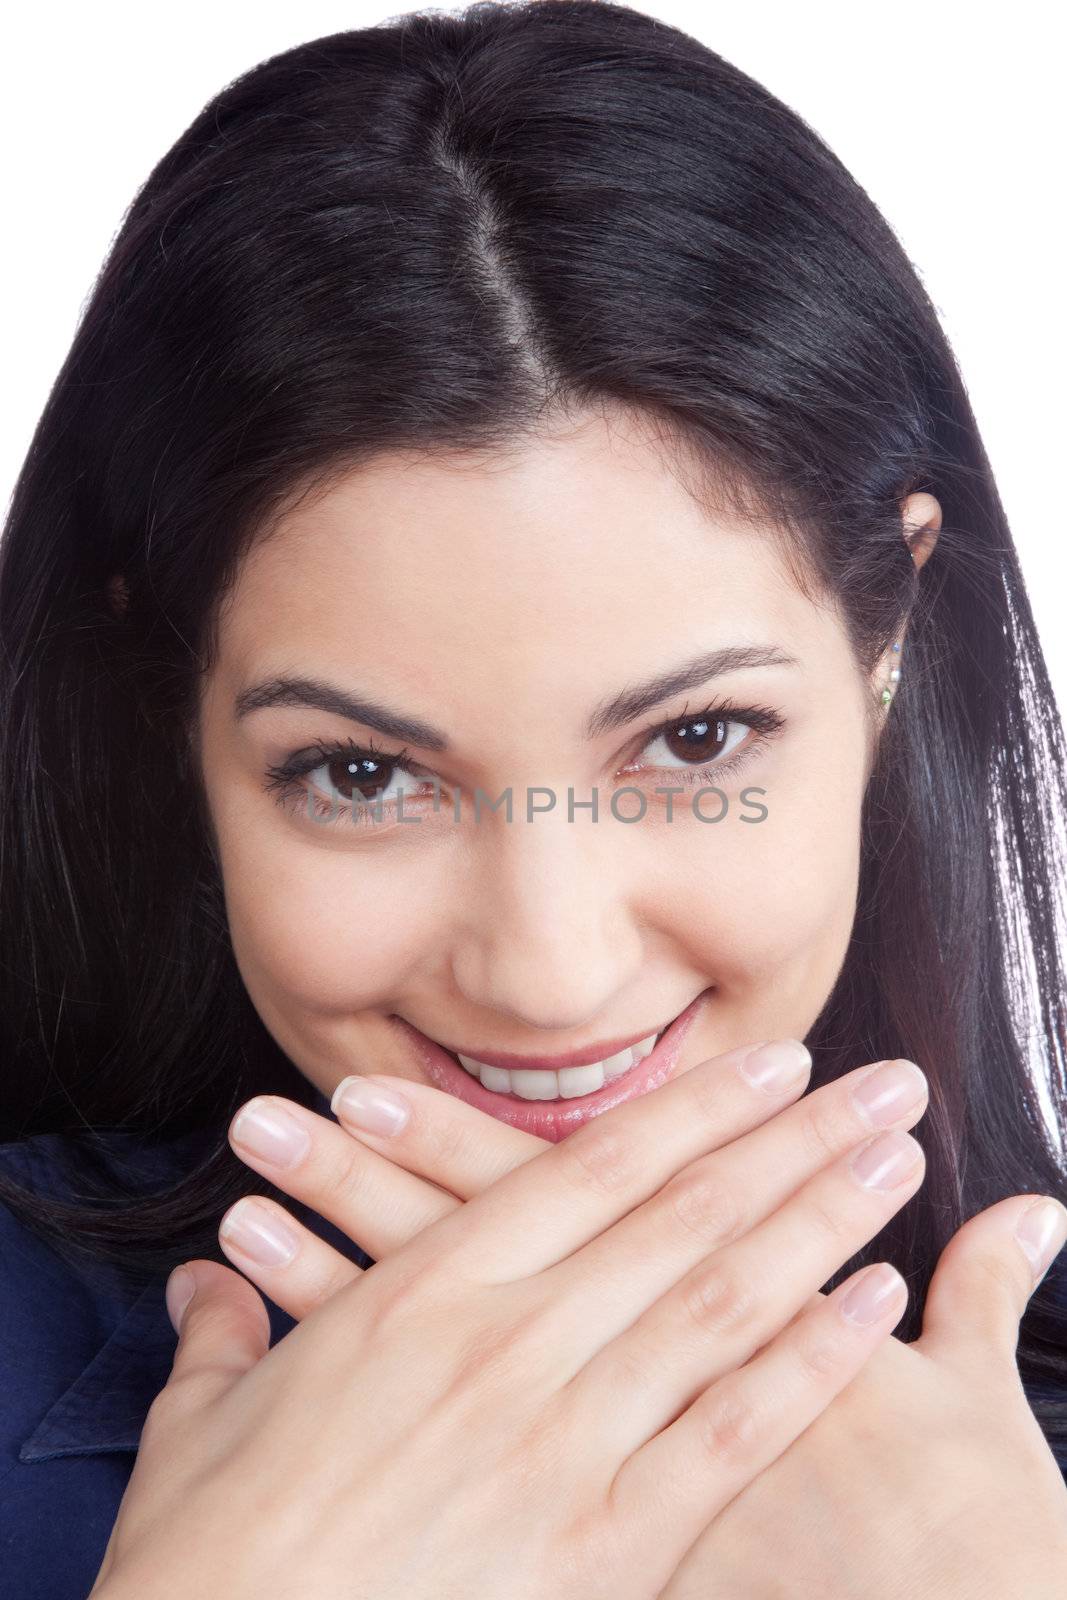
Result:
x=118 y=594
x=921 y=519
x=986 y=1275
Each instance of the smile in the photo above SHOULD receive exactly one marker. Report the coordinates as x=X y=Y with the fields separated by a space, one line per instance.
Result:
x=552 y=1101
x=542 y=1083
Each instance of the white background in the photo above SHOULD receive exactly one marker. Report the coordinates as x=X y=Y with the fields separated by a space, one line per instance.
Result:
x=946 y=113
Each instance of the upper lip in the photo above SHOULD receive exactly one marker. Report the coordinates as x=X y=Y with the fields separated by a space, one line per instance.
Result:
x=570 y=1058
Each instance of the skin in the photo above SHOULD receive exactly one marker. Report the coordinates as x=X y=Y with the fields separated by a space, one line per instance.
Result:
x=401 y=584
x=927 y=1474
x=448 y=1423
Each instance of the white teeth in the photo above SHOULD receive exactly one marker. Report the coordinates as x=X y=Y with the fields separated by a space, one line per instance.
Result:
x=568 y=1084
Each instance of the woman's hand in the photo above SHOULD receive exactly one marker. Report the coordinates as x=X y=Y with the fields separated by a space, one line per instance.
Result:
x=487 y=1412
x=927 y=1476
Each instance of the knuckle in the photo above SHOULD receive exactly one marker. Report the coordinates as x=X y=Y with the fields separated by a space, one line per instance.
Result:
x=488 y=1353
x=540 y=1453
x=823 y=1130
x=528 y=1330
x=729 y=1428
x=589 y=1542
x=828 y=1213
x=181 y=1395
x=333 y=1277
x=341 y=1179
x=596 y=1156
x=211 y=1322
x=1002 y=1277
x=634 y=1366
x=820 y=1354
x=705 y=1205
x=487 y=1362
x=393 y=1300
x=705 y=1091
x=446 y=1139
x=717 y=1299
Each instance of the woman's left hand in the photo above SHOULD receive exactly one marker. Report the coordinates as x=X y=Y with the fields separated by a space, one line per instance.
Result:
x=928 y=1476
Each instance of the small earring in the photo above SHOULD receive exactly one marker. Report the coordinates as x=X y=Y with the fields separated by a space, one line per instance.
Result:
x=894 y=676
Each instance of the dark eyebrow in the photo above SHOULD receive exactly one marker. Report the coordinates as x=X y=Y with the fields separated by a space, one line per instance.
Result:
x=624 y=707
x=320 y=696
x=630 y=703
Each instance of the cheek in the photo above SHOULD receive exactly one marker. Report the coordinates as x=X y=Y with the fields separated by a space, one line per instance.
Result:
x=324 y=932
x=773 y=900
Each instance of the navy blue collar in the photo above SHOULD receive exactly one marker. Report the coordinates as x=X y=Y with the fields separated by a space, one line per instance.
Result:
x=105 y=1407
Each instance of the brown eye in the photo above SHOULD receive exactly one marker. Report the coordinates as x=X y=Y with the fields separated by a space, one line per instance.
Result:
x=699 y=739
x=332 y=782
x=349 y=775
x=695 y=742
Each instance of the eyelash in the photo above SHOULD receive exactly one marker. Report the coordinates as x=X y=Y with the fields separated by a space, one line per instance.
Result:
x=284 y=780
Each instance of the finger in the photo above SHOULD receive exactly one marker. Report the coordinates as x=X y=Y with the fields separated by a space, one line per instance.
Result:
x=985 y=1277
x=385 y=1206
x=540 y=1212
x=730 y=1306
x=375 y=1204
x=723 y=1196
x=382 y=1207
x=445 y=1139
x=578 y=1189
x=742 y=1423
x=379 y=1205
x=292 y=1265
x=223 y=1329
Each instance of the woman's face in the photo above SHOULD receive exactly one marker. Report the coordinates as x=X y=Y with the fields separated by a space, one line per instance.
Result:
x=515 y=611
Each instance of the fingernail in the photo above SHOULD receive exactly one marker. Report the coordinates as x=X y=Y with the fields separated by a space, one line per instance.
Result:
x=1041 y=1232
x=873 y=1295
x=181 y=1286
x=270 y=1134
x=259 y=1233
x=774 y=1066
x=369 y=1107
x=888 y=1091
x=887 y=1161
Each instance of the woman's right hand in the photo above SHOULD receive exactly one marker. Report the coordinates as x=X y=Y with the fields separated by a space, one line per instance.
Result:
x=549 y=1392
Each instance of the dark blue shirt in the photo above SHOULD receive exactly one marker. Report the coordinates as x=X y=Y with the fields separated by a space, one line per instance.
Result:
x=82 y=1356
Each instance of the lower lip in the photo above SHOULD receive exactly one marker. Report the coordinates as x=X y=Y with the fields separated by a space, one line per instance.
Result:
x=552 y=1120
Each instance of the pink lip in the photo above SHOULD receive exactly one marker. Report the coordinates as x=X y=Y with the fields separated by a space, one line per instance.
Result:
x=552 y=1120
x=570 y=1058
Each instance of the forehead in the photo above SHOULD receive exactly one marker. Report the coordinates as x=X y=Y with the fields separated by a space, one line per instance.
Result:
x=588 y=538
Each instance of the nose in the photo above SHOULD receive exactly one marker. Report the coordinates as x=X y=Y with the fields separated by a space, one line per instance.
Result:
x=551 y=937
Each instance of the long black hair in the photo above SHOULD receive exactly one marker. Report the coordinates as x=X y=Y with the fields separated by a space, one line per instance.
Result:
x=429 y=235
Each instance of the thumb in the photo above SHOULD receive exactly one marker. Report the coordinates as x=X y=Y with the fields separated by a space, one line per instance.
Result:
x=222 y=1324
x=987 y=1273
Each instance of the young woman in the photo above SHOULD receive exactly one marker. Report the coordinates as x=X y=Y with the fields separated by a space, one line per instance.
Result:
x=508 y=573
